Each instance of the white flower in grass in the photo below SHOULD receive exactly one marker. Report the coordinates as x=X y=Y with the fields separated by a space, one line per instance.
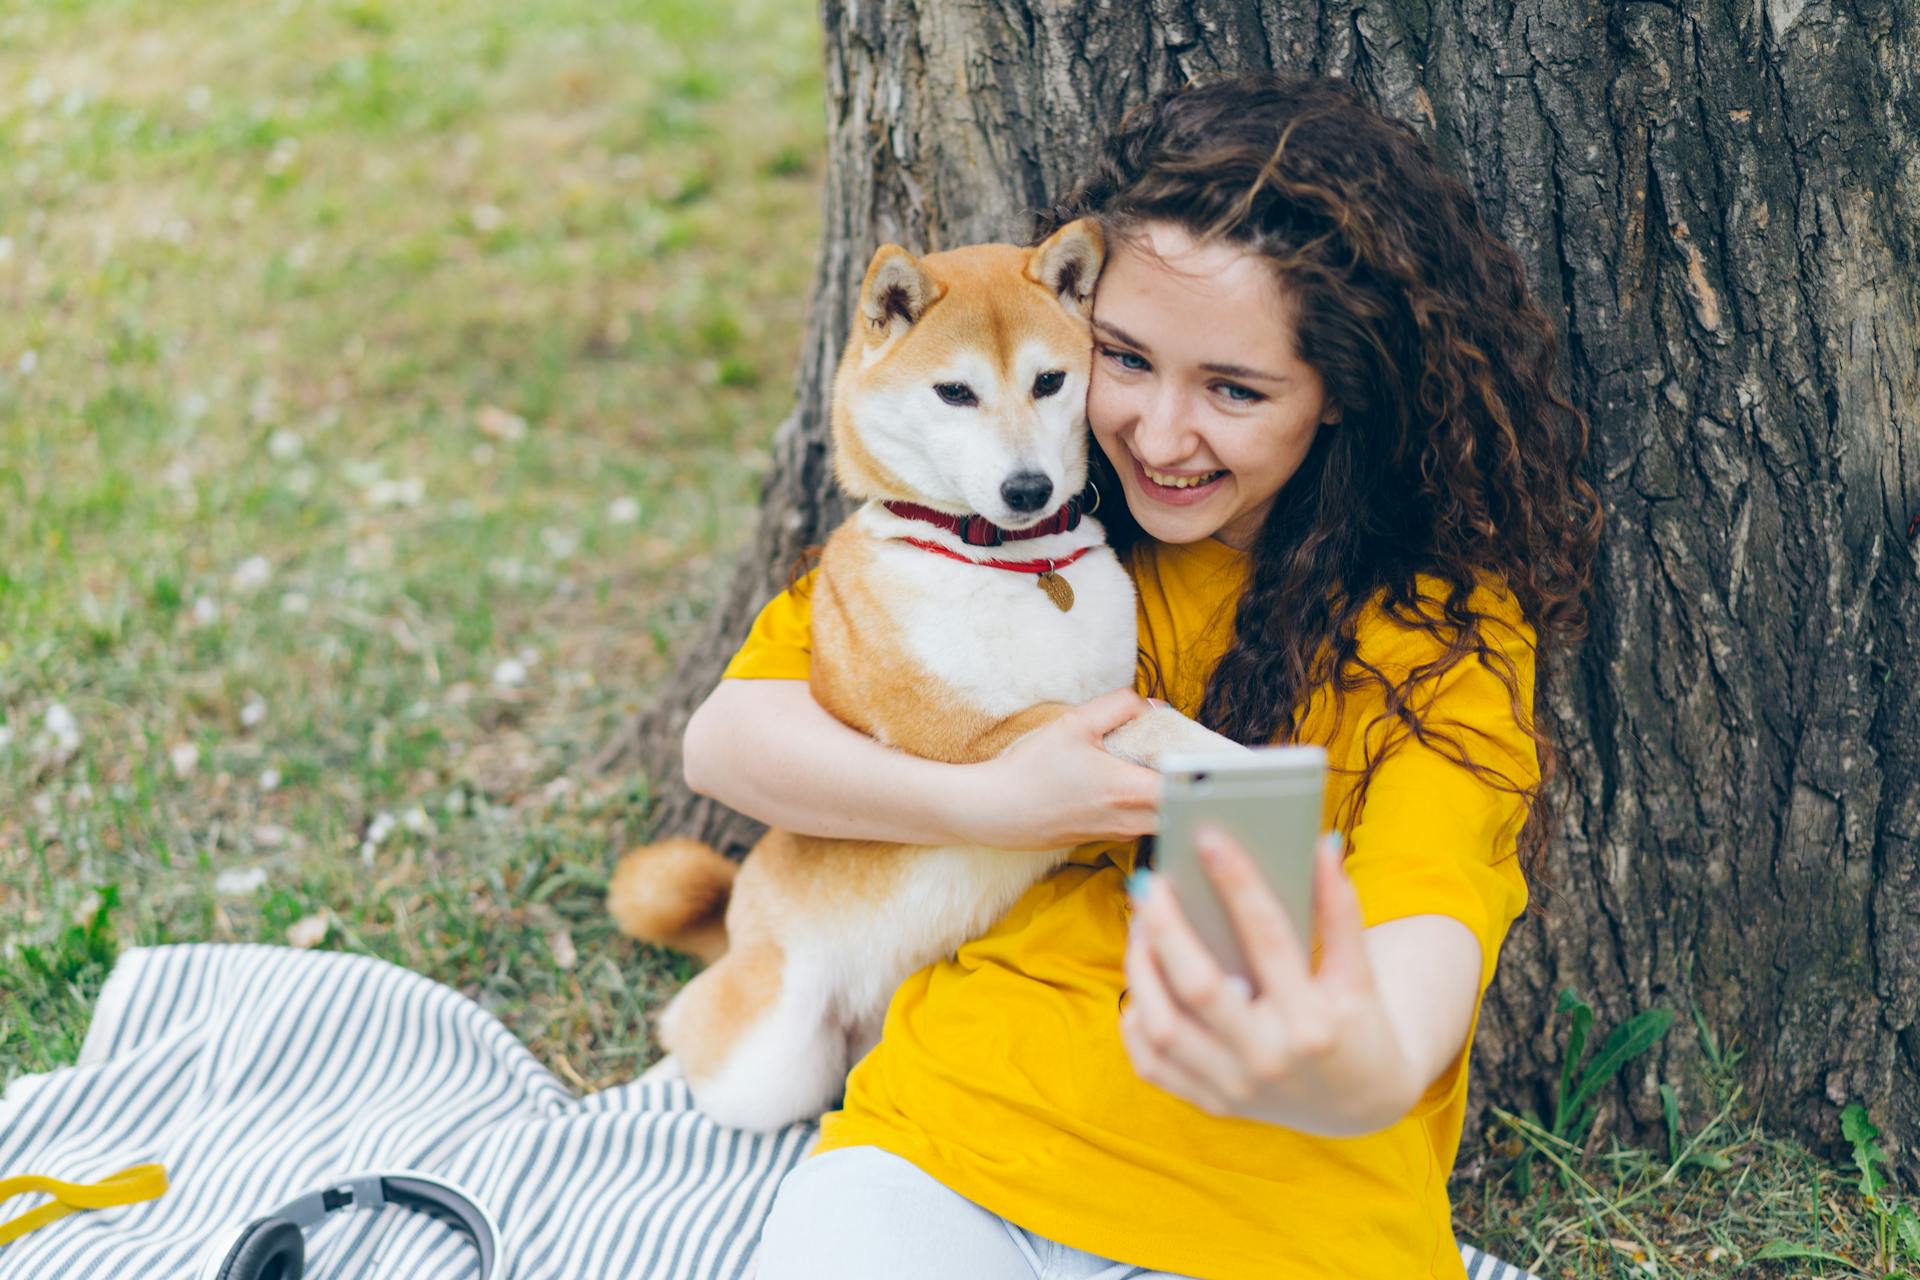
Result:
x=269 y=779
x=184 y=757
x=205 y=611
x=28 y=362
x=254 y=572
x=560 y=944
x=238 y=882
x=377 y=832
x=561 y=543
x=6 y=736
x=284 y=153
x=509 y=673
x=285 y=445
x=623 y=510
x=396 y=493
x=253 y=712
x=294 y=602
x=417 y=821
x=61 y=727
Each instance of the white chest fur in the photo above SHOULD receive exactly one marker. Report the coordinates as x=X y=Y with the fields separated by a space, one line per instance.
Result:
x=993 y=634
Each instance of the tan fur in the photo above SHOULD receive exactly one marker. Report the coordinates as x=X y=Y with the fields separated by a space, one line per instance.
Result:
x=674 y=894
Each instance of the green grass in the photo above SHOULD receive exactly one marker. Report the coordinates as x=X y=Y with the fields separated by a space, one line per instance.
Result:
x=383 y=389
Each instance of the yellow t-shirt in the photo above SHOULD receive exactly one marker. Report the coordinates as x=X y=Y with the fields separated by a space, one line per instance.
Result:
x=1001 y=1071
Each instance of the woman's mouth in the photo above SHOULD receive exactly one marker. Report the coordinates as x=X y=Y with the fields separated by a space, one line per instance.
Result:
x=1187 y=491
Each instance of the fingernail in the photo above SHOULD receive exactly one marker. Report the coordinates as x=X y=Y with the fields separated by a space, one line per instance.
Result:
x=1336 y=840
x=1155 y=702
x=1140 y=883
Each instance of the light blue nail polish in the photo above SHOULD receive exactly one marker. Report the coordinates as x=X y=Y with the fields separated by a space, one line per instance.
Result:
x=1139 y=883
x=1337 y=841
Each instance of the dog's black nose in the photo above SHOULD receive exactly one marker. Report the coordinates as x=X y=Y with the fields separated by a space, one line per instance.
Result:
x=1027 y=490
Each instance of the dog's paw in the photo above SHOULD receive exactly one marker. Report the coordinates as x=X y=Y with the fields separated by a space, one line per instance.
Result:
x=1154 y=732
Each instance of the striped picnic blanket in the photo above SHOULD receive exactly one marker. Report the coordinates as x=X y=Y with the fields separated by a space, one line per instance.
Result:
x=257 y=1073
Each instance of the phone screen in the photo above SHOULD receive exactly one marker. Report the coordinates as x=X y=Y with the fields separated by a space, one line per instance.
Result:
x=1270 y=799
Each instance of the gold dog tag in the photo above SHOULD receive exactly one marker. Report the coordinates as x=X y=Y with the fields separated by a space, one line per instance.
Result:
x=1057 y=590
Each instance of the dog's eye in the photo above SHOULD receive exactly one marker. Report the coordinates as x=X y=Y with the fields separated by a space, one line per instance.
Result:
x=1048 y=383
x=955 y=393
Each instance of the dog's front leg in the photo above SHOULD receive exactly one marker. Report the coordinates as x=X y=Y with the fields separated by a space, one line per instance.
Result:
x=1158 y=730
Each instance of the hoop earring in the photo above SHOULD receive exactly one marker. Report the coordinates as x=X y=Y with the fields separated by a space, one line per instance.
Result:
x=1096 y=497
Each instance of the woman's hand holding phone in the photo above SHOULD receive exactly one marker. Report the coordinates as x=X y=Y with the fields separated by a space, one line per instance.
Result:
x=1315 y=1050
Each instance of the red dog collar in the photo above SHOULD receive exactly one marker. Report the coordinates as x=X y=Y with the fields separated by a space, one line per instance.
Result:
x=977 y=531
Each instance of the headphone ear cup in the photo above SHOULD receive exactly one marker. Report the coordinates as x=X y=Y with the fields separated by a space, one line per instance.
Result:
x=270 y=1249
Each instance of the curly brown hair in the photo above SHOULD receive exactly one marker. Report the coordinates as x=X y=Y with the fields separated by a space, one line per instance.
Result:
x=1455 y=457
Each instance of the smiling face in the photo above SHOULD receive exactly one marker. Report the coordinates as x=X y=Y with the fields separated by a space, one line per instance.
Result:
x=1196 y=377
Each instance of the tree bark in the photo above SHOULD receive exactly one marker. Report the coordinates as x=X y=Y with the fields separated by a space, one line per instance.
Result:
x=1717 y=203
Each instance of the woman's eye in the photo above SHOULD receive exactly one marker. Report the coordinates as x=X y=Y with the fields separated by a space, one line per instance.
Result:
x=1048 y=383
x=1240 y=394
x=956 y=393
x=1125 y=359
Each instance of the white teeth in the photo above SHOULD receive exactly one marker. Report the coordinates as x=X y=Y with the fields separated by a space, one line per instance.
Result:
x=1178 y=482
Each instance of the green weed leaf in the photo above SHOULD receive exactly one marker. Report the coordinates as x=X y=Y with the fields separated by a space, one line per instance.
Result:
x=1906 y=1229
x=1859 y=1130
x=1670 y=1107
x=1624 y=1043
x=1775 y=1250
x=1570 y=1002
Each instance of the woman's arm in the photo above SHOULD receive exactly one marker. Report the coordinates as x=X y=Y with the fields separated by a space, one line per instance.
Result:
x=767 y=749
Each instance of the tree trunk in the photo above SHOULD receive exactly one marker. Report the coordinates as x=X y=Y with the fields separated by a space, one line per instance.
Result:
x=1720 y=209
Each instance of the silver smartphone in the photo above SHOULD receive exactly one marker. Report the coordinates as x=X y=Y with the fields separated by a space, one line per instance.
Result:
x=1270 y=800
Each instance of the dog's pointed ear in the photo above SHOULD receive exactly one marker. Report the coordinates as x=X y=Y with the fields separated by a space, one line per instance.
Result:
x=896 y=293
x=1067 y=264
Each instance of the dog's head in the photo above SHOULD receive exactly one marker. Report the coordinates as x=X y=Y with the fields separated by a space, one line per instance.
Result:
x=963 y=385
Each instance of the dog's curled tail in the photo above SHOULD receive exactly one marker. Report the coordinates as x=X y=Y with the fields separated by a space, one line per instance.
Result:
x=673 y=893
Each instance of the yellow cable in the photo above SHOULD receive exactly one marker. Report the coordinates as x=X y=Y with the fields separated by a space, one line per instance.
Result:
x=129 y=1186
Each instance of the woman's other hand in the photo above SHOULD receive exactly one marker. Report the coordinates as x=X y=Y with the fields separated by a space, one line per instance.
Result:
x=1343 y=1049
x=1058 y=787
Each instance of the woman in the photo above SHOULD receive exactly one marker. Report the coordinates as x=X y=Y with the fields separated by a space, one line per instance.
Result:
x=1329 y=451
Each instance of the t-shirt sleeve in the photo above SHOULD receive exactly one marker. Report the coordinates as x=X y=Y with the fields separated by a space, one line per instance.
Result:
x=1434 y=838
x=780 y=645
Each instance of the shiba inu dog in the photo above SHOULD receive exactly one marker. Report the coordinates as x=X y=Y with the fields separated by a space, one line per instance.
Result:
x=966 y=604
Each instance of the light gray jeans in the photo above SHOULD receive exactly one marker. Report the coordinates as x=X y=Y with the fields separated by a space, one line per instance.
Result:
x=860 y=1213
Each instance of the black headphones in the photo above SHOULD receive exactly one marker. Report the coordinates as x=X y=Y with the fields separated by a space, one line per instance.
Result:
x=274 y=1247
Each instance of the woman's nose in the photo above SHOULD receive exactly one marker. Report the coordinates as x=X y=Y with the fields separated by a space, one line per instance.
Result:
x=1160 y=435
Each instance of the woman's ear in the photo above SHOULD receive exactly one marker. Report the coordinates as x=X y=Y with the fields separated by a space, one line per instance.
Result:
x=1067 y=264
x=895 y=294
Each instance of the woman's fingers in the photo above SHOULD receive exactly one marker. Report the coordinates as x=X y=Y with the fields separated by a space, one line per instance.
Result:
x=1097 y=717
x=1343 y=957
x=1169 y=1047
